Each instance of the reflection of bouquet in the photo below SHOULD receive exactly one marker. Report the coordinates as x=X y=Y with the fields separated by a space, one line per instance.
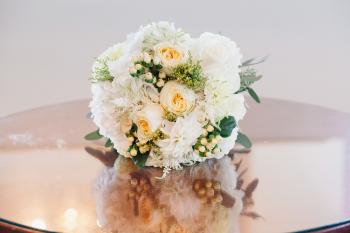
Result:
x=208 y=198
x=165 y=99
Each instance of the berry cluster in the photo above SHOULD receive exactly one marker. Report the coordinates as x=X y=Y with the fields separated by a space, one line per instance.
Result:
x=148 y=68
x=140 y=197
x=207 y=143
x=139 y=186
x=208 y=191
x=136 y=147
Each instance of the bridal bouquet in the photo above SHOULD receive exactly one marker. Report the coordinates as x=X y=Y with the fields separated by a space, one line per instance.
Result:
x=166 y=99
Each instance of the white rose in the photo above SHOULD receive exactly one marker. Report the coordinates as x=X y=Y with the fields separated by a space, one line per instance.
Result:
x=148 y=120
x=217 y=53
x=216 y=48
x=177 y=98
x=170 y=55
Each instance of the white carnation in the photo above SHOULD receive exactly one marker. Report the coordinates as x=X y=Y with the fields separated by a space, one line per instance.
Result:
x=106 y=115
x=182 y=135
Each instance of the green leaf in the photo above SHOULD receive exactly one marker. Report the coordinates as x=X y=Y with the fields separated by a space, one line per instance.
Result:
x=253 y=94
x=133 y=128
x=109 y=143
x=140 y=159
x=243 y=140
x=227 y=124
x=93 y=136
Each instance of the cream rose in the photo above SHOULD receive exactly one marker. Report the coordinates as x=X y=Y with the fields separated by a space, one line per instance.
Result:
x=177 y=98
x=170 y=55
x=148 y=120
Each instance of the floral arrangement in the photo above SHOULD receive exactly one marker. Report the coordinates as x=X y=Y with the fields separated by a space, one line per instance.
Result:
x=166 y=99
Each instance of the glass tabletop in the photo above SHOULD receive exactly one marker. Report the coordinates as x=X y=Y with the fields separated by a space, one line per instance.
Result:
x=301 y=155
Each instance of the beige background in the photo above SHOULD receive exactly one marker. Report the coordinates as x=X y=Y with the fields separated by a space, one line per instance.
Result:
x=47 y=47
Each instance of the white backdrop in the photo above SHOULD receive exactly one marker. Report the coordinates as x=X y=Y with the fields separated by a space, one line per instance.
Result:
x=47 y=47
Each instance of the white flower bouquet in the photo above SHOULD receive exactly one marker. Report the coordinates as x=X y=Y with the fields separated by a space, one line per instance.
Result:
x=163 y=99
x=166 y=99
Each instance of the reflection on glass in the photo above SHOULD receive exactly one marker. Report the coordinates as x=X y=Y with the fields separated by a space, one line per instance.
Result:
x=39 y=223
x=70 y=219
x=301 y=184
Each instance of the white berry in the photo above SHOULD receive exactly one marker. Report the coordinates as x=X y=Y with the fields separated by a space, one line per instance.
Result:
x=133 y=152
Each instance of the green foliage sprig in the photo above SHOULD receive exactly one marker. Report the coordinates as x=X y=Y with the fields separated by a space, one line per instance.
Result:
x=190 y=74
x=100 y=71
x=249 y=76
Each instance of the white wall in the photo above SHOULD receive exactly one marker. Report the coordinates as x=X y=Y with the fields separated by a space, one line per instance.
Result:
x=47 y=47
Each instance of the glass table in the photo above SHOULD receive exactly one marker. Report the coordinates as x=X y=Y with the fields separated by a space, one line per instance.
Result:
x=301 y=155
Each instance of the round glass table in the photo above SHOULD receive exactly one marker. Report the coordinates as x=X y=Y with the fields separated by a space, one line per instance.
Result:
x=301 y=155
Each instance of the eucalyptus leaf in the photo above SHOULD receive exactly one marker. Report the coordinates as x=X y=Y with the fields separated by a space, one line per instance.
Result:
x=248 y=77
x=254 y=61
x=95 y=135
x=252 y=79
x=247 y=62
x=140 y=159
x=109 y=143
x=253 y=94
x=227 y=124
x=243 y=140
